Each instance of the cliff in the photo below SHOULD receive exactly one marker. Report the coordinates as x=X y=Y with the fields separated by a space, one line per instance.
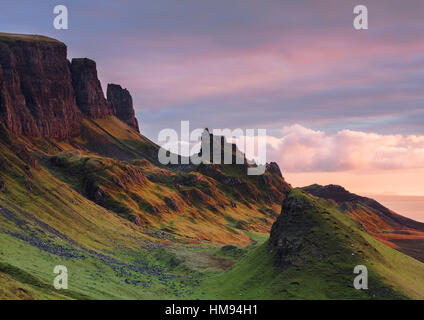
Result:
x=122 y=104
x=289 y=233
x=43 y=94
x=88 y=90
x=36 y=93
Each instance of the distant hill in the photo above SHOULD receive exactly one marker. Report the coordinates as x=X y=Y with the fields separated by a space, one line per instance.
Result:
x=311 y=253
x=397 y=231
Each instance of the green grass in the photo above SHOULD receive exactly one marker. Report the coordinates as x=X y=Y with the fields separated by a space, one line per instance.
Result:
x=92 y=278
x=329 y=276
x=12 y=37
x=191 y=272
x=114 y=258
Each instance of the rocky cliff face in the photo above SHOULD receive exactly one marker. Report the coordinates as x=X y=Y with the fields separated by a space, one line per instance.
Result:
x=122 y=104
x=88 y=90
x=36 y=93
x=289 y=233
x=42 y=94
x=214 y=148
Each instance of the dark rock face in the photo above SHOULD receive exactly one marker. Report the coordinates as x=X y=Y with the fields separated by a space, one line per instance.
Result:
x=122 y=104
x=274 y=168
x=36 y=94
x=42 y=94
x=88 y=90
x=288 y=232
x=216 y=149
x=94 y=192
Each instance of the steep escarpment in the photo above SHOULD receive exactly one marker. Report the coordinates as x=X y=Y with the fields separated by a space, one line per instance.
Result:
x=216 y=149
x=122 y=104
x=36 y=93
x=42 y=94
x=289 y=234
x=88 y=90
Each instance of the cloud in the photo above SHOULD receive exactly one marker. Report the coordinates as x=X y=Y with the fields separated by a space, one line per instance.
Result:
x=249 y=63
x=302 y=149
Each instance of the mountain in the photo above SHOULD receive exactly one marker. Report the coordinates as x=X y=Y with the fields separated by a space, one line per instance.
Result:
x=81 y=187
x=396 y=231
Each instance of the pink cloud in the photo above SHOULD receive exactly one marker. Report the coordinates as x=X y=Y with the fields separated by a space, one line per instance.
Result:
x=305 y=150
x=177 y=75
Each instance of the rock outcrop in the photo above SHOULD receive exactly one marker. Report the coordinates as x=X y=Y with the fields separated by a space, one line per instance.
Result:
x=288 y=233
x=88 y=90
x=42 y=94
x=274 y=168
x=36 y=93
x=122 y=104
x=216 y=149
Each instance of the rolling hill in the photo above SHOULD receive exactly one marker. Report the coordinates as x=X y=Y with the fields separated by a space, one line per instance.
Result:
x=311 y=254
x=396 y=231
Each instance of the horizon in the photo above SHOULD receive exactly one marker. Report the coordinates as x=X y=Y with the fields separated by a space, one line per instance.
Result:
x=350 y=101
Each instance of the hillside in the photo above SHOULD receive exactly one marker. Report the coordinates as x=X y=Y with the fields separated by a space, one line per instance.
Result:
x=62 y=205
x=80 y=186
x=396 y=231
x=311 y=254
x=90 y=194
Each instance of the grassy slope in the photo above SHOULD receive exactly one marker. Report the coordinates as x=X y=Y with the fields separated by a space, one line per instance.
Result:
x=396 y=231
x=203 y=206
x=39 y=229
x=45 y=220
x=391 y=273
x=111 y=137
x=52 y=225
x=109 y=257
x=12 y=37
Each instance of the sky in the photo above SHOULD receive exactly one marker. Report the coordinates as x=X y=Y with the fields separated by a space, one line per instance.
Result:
x=340 y=106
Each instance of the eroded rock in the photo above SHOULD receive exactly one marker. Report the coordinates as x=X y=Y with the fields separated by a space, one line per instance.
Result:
x=36 y=93
x=88 y=90
x=122 y=104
